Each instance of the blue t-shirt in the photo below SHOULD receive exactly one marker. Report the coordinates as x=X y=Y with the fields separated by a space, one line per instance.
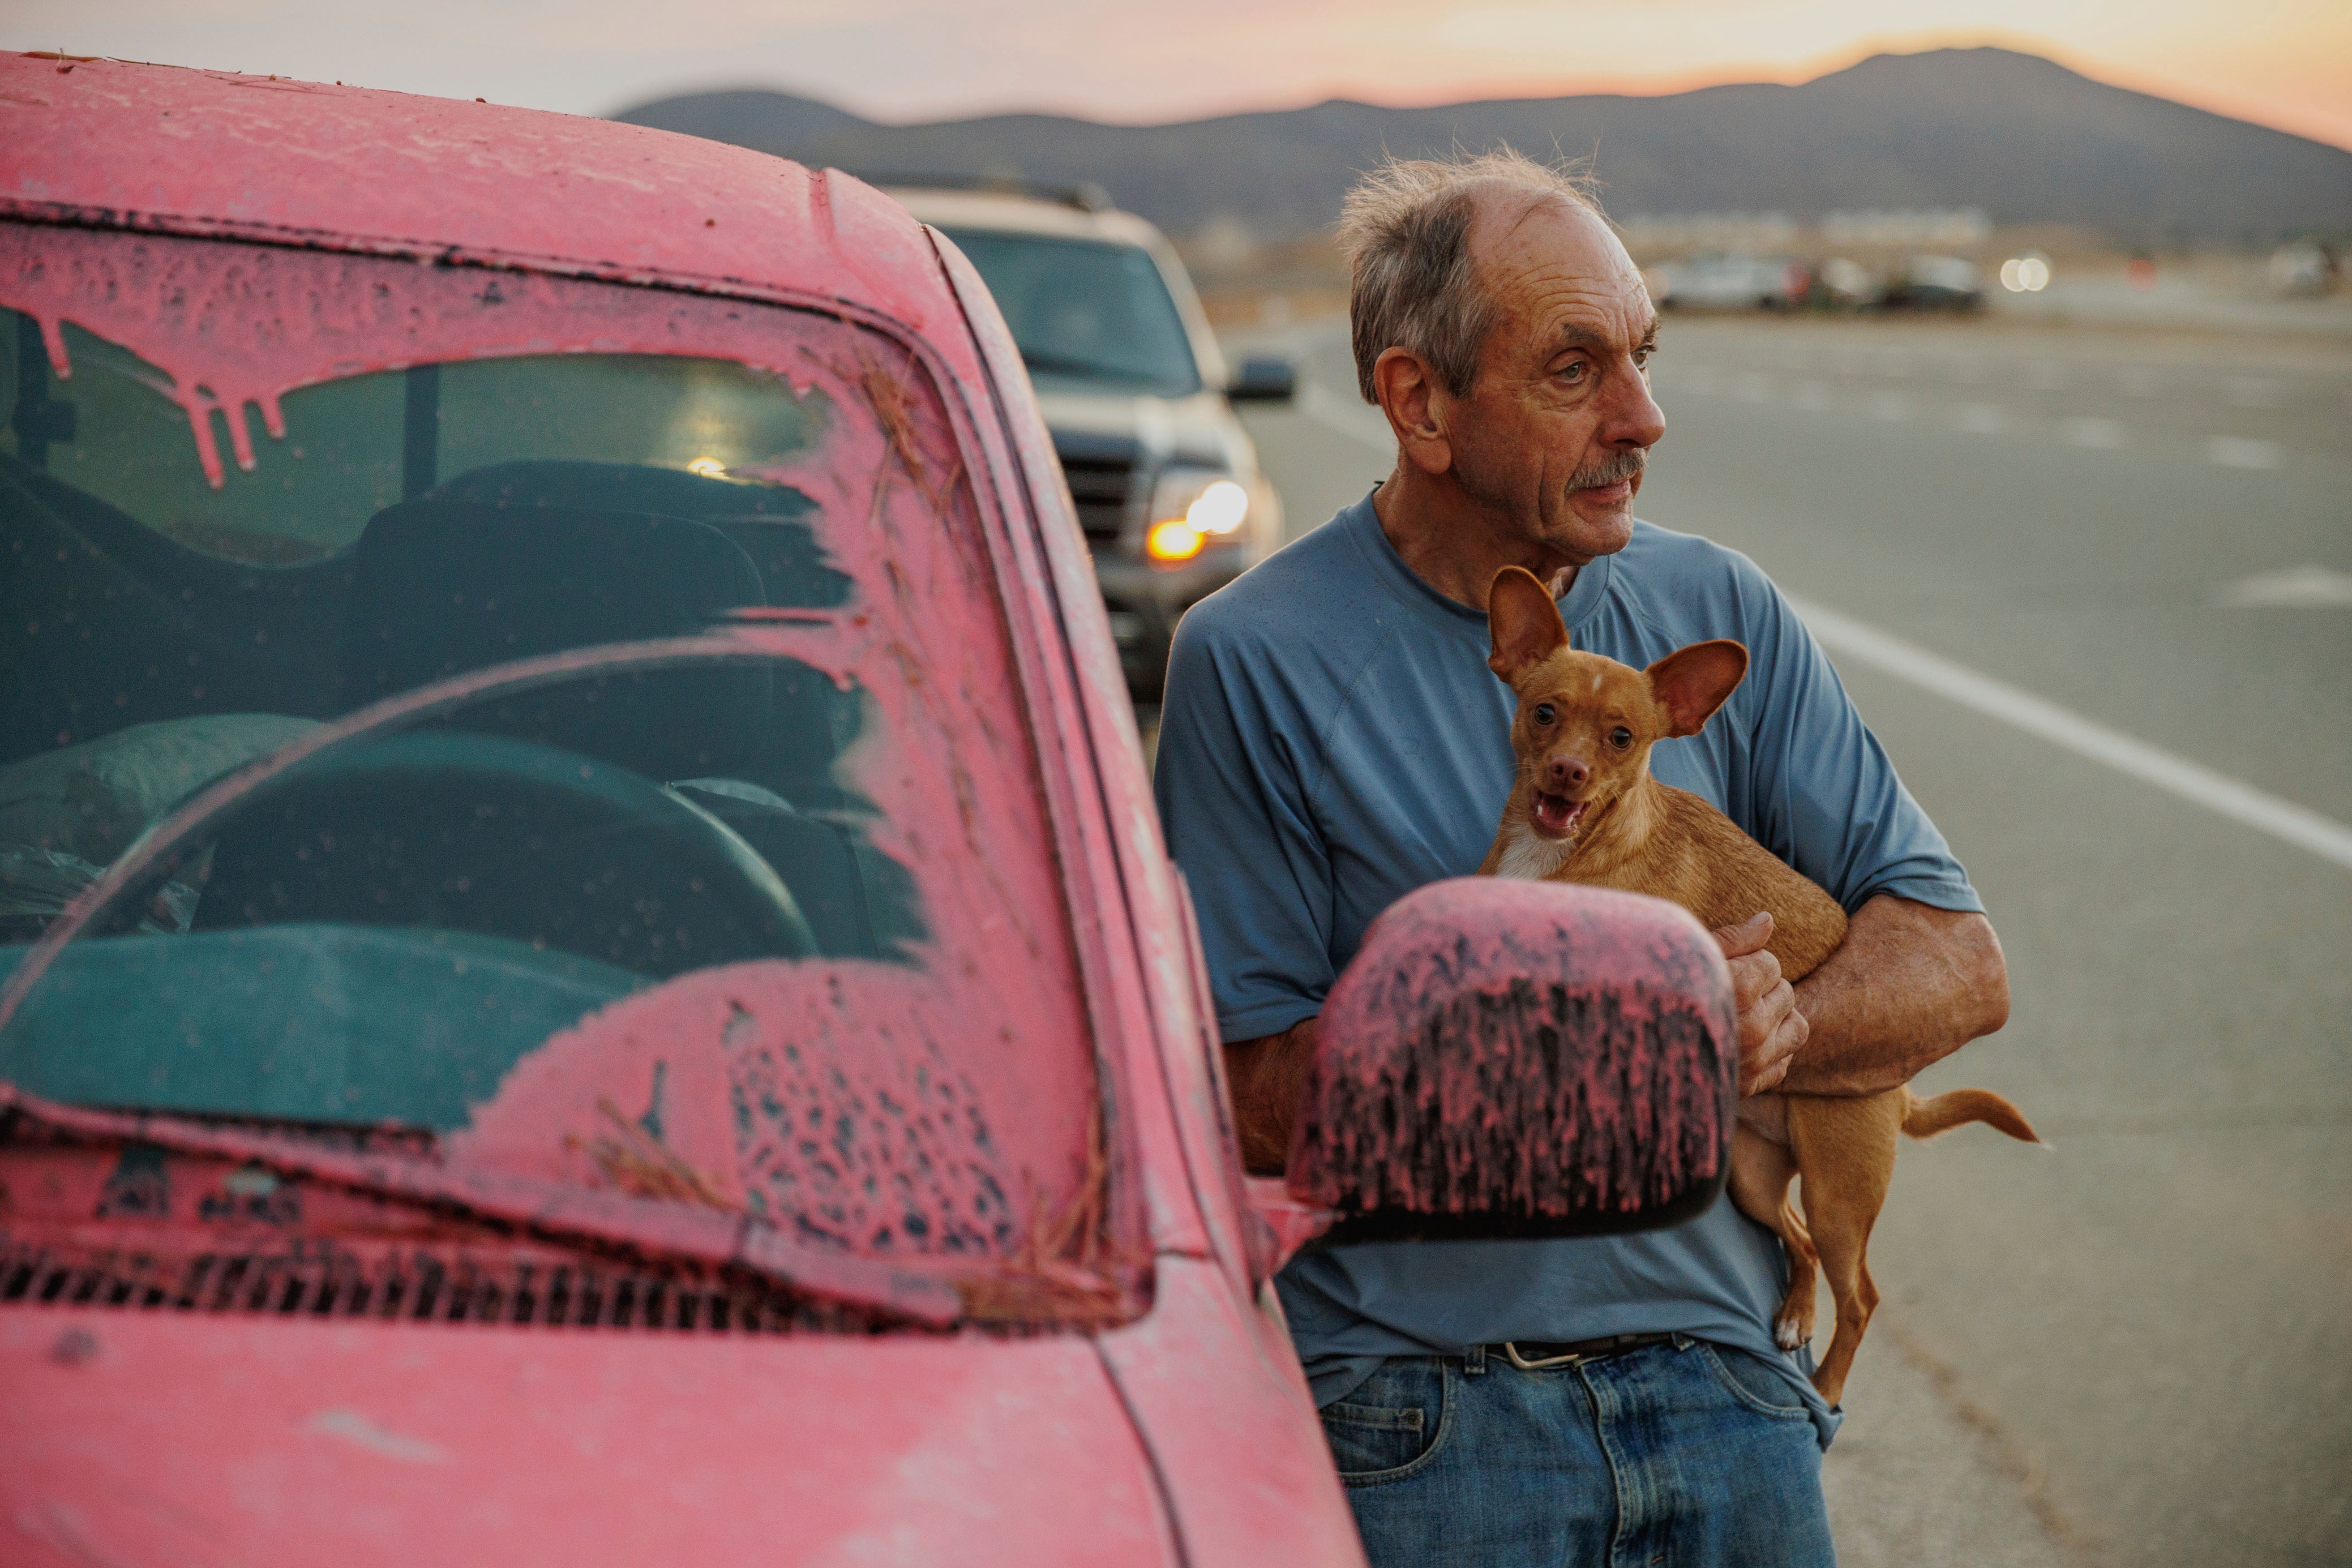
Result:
x=1332 y=739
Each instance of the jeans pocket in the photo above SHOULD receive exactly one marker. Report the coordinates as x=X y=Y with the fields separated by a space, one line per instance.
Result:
x=1391 y=1425
x=1755 y=1385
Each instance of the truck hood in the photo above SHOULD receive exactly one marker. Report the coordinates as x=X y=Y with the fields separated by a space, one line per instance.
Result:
x=139 y=1439
x=1200 y=429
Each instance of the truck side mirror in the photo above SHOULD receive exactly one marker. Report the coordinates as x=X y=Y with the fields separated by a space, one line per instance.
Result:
x=1262 y=380
x=1514 y=1058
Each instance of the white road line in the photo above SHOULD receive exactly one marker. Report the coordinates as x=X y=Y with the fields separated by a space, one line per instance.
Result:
x=2296 y=824
x=2312 y=587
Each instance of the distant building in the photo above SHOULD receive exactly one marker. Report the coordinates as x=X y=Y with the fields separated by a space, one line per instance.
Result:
x=1748 y=232
x=1947 y=226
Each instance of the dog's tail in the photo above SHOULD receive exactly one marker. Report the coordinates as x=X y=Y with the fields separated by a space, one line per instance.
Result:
x=1927 y=1118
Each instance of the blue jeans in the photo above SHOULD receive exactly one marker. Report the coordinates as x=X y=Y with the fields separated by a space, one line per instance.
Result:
x=1685 y=1455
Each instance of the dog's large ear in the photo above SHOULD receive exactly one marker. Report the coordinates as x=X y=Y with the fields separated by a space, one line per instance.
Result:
x=1691 y=683
x=1525 y=623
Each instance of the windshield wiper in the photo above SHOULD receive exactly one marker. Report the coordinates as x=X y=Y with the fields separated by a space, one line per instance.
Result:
x=553 y=1211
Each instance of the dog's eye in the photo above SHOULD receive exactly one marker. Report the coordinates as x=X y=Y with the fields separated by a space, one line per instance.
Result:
x=1621 y=737
x=1544 y=715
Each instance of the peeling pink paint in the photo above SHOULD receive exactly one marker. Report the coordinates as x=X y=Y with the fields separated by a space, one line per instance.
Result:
x=1567 y=1056
x=822 y=1098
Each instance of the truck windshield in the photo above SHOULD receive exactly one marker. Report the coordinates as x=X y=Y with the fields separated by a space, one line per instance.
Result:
x=1084 y=311
x=559 y=728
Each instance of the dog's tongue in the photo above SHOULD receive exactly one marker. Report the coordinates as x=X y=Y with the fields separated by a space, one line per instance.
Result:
x=1556 y=814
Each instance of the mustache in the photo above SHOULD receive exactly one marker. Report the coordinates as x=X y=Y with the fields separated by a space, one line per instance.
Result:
x=1625 y=465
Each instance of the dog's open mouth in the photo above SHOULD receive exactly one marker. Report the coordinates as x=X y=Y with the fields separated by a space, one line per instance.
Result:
x=1556 y=815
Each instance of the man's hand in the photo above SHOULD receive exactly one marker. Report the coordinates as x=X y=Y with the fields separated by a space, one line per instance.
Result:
x=1771 y=1027
x=1264 y=1077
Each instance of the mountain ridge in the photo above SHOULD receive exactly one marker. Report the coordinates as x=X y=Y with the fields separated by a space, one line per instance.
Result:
x=2025 y=138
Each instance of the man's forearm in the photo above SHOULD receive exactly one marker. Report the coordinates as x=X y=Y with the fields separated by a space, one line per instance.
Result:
x=1910 y=985
x=1266 y=1076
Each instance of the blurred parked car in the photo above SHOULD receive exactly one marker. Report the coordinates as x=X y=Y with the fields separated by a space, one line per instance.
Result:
x=1166 y=481
x=1731 y=282
x=1841 y=284
x=2303 y=271
x=1933 y=283
x=590 y=977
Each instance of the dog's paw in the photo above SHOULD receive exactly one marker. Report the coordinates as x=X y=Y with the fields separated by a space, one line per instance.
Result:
x=1790 y=1334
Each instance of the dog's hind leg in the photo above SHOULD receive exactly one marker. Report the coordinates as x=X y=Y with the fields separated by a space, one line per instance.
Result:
x=1761 y=1171
x=1793 y=1325
x=1846 y=1149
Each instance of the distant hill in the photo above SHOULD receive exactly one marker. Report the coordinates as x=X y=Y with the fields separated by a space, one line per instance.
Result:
x=768 y=122
x=2025 y=139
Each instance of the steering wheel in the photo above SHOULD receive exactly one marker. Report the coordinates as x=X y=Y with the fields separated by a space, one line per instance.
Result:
x=455 y=830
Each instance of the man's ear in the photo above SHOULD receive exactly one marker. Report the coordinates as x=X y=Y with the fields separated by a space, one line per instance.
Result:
x=1407 y=392
x=1524 y=621
x=1691 y=683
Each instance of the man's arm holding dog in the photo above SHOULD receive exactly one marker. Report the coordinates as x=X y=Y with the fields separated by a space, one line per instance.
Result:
x=1920 y=972
x=1910 y=985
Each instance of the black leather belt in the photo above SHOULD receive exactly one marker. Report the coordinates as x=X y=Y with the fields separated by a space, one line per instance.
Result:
x=1534 y=1355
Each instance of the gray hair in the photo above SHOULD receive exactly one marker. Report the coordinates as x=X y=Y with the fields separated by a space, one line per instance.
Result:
x=1405 y=228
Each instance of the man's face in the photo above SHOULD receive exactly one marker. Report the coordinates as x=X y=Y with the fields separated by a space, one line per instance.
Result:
x=1552 y=437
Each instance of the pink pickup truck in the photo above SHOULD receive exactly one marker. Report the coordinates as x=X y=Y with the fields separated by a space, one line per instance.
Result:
x=586 y=970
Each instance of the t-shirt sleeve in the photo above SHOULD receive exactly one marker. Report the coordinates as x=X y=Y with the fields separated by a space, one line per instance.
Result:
x=1821 y=792
x=1233 y=796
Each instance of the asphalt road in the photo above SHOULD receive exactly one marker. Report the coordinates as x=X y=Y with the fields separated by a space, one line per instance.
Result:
x=2137 y=1349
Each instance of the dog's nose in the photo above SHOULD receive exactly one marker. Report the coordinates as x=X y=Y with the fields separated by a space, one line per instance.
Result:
x=1567 y=773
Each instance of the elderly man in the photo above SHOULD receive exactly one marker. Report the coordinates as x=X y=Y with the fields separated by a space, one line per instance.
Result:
x=1332 y=739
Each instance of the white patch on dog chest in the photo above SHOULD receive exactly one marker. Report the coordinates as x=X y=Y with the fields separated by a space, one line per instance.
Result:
x=1530 y=856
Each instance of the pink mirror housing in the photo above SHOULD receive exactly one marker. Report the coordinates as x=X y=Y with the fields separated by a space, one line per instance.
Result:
x=1519 y=1059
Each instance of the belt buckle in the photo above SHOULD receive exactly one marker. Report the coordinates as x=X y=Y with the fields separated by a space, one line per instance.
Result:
x=1512 y=1352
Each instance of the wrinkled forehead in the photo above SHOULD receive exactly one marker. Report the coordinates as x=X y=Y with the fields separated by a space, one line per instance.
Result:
x=1556 y=273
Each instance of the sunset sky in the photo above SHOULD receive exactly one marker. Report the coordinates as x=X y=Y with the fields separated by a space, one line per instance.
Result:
x=2286 y=63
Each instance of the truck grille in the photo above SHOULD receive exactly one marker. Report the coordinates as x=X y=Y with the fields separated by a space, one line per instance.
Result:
x=1099 y=488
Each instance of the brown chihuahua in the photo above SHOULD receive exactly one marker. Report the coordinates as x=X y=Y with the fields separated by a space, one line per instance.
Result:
x=1585 y=809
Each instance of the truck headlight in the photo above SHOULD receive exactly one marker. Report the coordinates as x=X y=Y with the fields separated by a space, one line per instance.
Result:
x=1193 y=508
